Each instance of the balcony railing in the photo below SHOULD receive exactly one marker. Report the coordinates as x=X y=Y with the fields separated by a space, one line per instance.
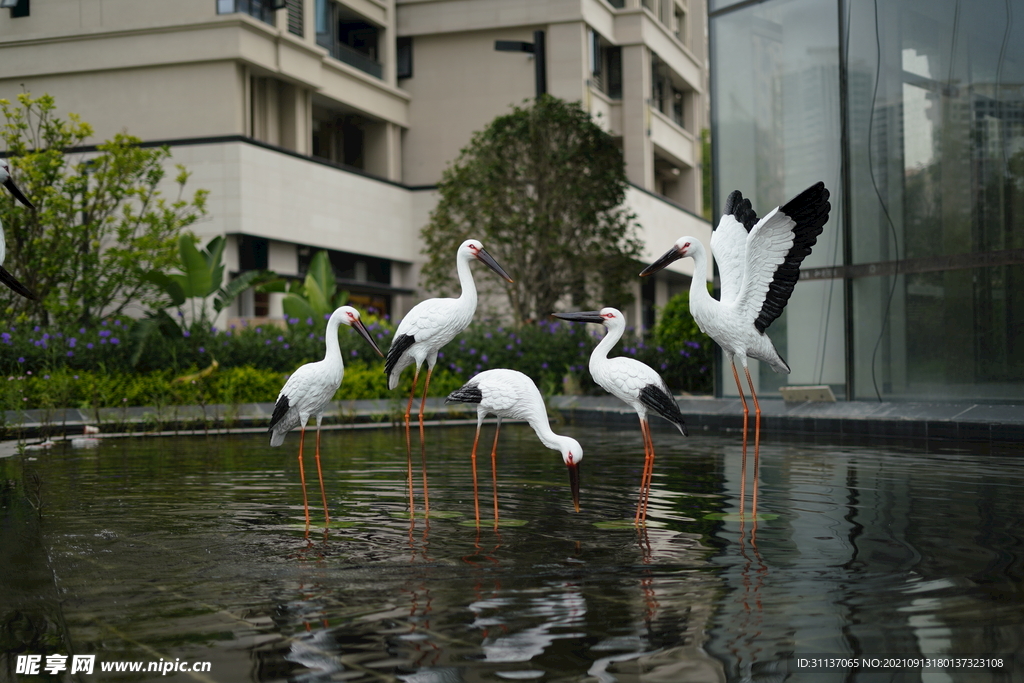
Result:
x=352 y=57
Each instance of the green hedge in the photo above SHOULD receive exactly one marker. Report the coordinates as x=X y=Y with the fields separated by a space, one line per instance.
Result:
x=92 y=367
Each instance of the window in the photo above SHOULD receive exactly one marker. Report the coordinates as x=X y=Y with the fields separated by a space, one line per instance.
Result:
x=260 y=9
x=605 y=66
x=404 y=53
x=667 y=94
x=348 y=37
x=679 y=24
x=295 y=18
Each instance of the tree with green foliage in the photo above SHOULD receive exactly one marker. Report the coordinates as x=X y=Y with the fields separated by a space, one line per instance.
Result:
x=542 y=188
x=100 y=223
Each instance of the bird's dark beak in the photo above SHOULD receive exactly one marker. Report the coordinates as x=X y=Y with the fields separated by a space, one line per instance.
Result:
x=9 y=184
x=582 y=317
x=361 y=329
x=492 y=264
x=668 y=257
x=574 y=484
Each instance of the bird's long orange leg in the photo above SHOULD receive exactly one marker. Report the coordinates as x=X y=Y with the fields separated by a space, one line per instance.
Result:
x=650 y=470
x=408 y=441
x=743 y=462
x=494 y=472
x=320 y=474
x=423 y=446
x=476 y=492
x=757 y=442
x=302 y=477
x=643 y=478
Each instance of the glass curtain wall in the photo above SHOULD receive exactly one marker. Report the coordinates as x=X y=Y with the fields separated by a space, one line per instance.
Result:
x=775 y=131
x=928 y=302
x=936 y=111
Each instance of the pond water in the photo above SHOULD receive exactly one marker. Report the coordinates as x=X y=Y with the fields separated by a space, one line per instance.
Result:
x=191 y=549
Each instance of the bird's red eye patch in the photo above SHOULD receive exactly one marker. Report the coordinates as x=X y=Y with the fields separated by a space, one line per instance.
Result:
x=608 y=315
x=686 y=246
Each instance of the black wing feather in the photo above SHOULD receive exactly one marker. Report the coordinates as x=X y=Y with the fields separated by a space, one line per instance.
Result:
x=740 y=209
x=810 y=211
x=661 y=402
x=398 y=347
x=12 y=282
x=468 y=393
x=279 y=411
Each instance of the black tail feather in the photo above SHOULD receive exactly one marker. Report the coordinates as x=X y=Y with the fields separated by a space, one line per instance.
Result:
x=468 y=393
x=660 y=401
x=279 y=411
x=398 y=347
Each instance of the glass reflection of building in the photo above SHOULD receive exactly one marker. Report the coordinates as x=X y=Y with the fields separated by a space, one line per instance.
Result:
x=912 y=112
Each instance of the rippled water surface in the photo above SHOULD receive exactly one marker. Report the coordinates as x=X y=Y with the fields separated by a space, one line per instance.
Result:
x=192 y=549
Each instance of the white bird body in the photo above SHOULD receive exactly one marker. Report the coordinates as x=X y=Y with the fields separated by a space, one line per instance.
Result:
x=5 y=276
x=429 y=326
x=308 y=392
x=634 y=383
x=759 y=264
x=433 y=323
x=511 y=394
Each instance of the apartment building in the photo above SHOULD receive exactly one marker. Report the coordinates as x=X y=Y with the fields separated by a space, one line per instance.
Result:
x=326 y=124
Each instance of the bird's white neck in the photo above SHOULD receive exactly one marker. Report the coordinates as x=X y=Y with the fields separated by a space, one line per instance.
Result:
x=542 y=427
x=611 y=338
x=468 y=297
x=333 y=348
x=699 y=296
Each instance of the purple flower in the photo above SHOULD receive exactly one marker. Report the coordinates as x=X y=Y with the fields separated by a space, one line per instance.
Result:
x=693 y=344
x=201 y=349
x=487 y=335
x=89 y=345
x=483 y=357
x=472 y=352
x=106 y=333
x=292 y=321
x=354 y=354
x=268 y=342
x=103 y=323
x=6 y=336
x=45 y=336
x=286 y=346
x=103 y=341
x=115 y=341
x=117 y=323
x=46 y=377
x=184 y=333
x=664 y=366
x=311 y=335
x=309 y=321
x=70 y=354
x=508 y=347
x=440 y=355
x=327 y=316
x=81 y=330
x=36 y=328
x=21 y=360
x=76 y=376
x=477 y=366
x=259 y=330
x=280 y=338
x=544 y=365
